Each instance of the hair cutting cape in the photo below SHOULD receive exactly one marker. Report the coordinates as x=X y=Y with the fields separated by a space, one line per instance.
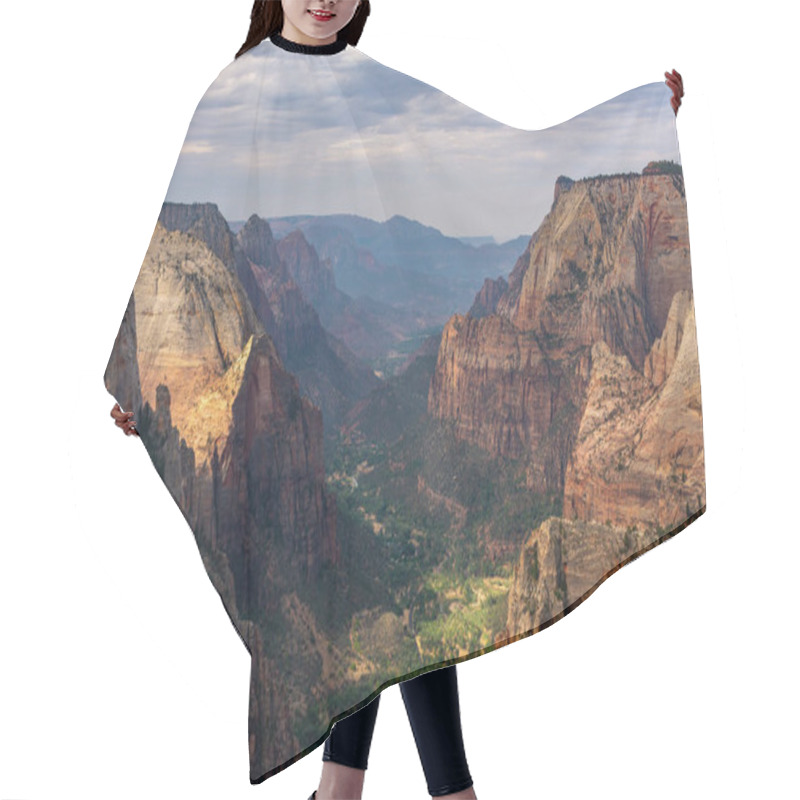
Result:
x=419 y=381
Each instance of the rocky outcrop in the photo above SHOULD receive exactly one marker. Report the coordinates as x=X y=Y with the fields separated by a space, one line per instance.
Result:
x=486 y=300
x=314 y=277
x=664 y=352
x=563 y=184
x=638 y=456
x=192 y=323
x=367 y=329
x=245 y=569
x=329 y=374
x=511 y=295
x=269 y=483
x=259 y=245
x=560 y=564
x=270 y=716
x=503 y=392
x=236 y=444
x=121 y=377
x=203 y=221
x=603 y=267
x=607 y=261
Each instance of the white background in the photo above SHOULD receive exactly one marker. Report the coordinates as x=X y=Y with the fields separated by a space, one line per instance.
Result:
x=122 y=677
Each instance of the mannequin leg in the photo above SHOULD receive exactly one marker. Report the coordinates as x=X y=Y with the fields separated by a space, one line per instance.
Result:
x=346 y=754
x=350 y=738
x=432 y=705
x=433 y=710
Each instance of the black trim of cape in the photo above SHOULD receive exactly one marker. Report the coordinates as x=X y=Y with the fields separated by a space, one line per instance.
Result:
x=309 y=49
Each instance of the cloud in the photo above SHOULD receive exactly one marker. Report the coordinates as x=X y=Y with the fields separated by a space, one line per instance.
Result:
x=337 y=133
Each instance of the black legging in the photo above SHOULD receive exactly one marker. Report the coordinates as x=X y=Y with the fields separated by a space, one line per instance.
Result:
x=432 y=705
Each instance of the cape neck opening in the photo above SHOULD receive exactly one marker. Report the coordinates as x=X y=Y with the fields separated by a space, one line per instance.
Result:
x=309 y=49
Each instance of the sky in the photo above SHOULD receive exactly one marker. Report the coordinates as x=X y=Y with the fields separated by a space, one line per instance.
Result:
x=281 y=133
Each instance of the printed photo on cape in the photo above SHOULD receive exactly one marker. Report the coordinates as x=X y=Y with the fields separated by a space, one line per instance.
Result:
x=419 y=381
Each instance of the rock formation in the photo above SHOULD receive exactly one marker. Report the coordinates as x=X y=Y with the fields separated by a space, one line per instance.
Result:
x=638 y=455
x=604 y=267
x=225 y=423
x=328 y=373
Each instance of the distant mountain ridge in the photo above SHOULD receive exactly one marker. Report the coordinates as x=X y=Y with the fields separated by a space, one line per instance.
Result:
x=390 y=261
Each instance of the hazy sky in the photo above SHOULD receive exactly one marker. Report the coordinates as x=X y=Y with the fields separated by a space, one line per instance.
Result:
x=286 y=133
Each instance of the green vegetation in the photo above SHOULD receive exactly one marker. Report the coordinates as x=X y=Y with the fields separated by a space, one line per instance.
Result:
x=468 y=617
x=663 y=168
x=417 y=514
x=414 y=518
x=608 y=176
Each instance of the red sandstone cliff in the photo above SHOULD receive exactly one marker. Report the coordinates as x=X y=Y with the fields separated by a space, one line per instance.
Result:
x=605 y=266
x=237 y=445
